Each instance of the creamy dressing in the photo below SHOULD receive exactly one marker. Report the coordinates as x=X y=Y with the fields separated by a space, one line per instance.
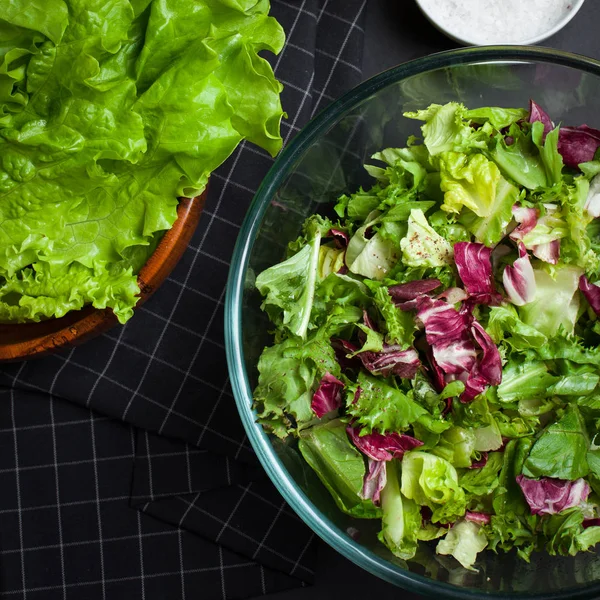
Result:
x=497 y=21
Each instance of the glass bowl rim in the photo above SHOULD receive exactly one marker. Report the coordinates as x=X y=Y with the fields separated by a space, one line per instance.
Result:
x=242 y=391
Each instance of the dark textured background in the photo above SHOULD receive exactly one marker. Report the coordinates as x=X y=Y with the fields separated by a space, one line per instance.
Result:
x=396 y=32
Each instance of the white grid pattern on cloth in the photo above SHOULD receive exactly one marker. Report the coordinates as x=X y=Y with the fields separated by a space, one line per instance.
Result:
x=98 y=511
x=203 y=254
x=296 y=563
x=21 y=548
x=217 y=433
x=177 y=538
x=57 y=484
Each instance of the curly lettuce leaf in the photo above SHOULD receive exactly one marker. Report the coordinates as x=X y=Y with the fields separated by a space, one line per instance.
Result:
x=484 y=480
x=446 y=129
x=513 y=525
x=432 y=481
x=382 y=407
x=289 y=373
x=115 y=111
x=475 y=183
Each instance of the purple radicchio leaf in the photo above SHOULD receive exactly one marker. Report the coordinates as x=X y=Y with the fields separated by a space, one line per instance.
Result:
x=591 y=523
x=328 y=396
x=442 y=322
x=340 y=238
x=374 y=482
x=526 y=218
x=537 y=113
x=391 y=361
x=548 y=252
x=455 y=357
x=519 y=279
x=439 y=381
x=382 y=447
x=478 y=464
x=368 y=321
x=578 y=144
x=548 y=496
x=477 y=517
x=591 y=292
x=342 y=349
x=474 y=265
x=405 y=292
x=487 y=370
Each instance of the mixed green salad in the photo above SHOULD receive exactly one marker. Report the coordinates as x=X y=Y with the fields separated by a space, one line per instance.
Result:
x=110 y=110
x=436 y=349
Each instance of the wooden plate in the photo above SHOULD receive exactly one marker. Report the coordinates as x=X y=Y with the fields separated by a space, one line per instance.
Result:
x=30 y=340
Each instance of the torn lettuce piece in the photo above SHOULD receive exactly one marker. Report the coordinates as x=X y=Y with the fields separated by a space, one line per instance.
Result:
x=340 y=467
x=473 y=182
x=555 y=305
x=446 y=129
x=289 y=373
x=372 y=257
x=464 y=541
x=289 y=287
x=423 y=246
x=379 y=406
x=560 y=452
x=432 y=481
x=401 y=520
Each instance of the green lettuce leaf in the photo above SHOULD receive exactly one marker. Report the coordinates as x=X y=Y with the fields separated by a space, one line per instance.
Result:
x=445 y=128
x=382 y=407
x=289 y=373
x=432 y=481
x=423 y=246
x=499 y=117
x=505 y=324
x=561 y=450
x=512 y=525
x=475 y=183
x=523 y=380
x=548 y=148
x=464 y=541
x=456 y=445
x=482 y=481
x=566 y=535
x=401 y=520
x=371 y=257
x=114 y=112
x=399 y=325
x=339 y=465
x=555 y=305
x=289 y=287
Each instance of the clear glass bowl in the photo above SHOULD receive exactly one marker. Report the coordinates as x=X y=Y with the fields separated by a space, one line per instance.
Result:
x=325 y=160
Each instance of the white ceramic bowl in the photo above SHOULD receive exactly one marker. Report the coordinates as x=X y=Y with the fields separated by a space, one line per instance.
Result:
x=448 y=26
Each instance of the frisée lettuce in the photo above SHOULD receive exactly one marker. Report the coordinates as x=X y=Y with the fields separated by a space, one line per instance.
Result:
x=456 y=355
x=108 y=112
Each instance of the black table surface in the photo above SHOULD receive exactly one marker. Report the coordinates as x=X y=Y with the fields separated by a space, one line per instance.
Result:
x=396 y=32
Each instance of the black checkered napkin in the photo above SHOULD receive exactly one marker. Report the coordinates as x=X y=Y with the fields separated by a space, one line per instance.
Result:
x=68 y=470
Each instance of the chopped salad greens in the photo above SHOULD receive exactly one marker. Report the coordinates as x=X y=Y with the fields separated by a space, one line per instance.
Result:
x=110 y=110
x=437 y=348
